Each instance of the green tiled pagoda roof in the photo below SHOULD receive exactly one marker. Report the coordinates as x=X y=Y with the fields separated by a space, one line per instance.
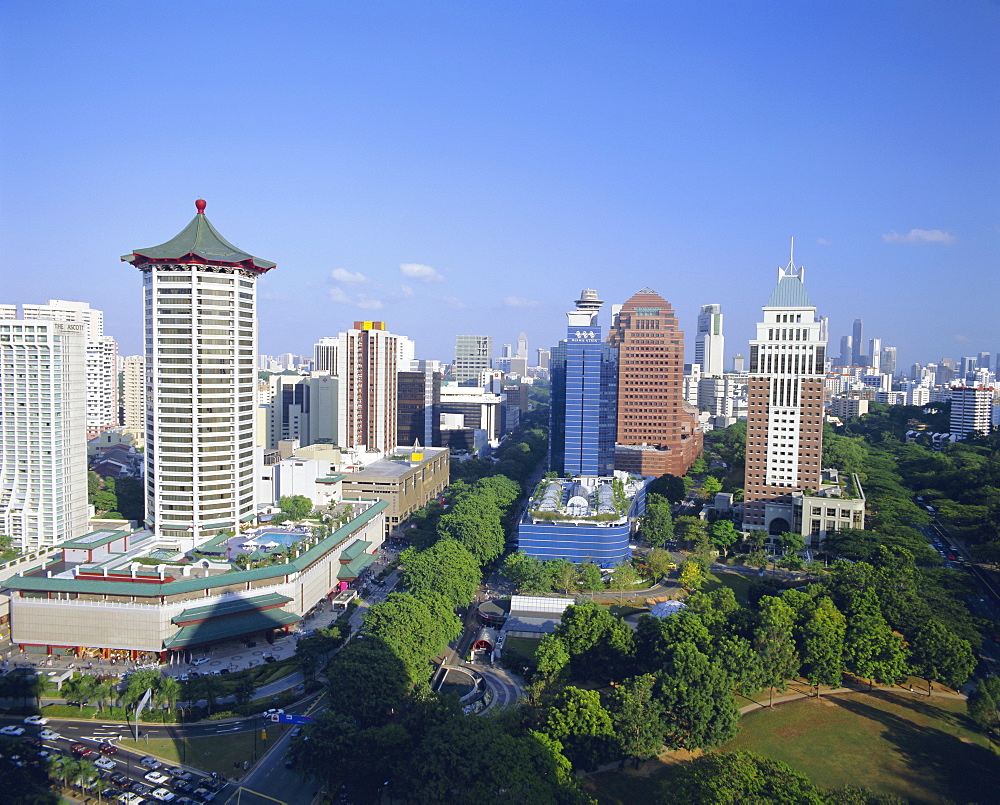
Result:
x=354 y=569
x=353 y=550
x=230 y=607
x=201 y=242
x=153 y=589
x=224 y=628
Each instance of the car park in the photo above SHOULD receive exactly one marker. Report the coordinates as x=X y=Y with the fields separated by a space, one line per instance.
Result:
x=203 y=795
x=163 y=794
x=119 y=779
x=130 y=798
x=183 y=786
x=36 y=720
x=141 y=789
x=156 y=777
x=105 y=763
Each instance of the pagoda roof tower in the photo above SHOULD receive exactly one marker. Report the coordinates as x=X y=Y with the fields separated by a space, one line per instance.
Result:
x=199 y=242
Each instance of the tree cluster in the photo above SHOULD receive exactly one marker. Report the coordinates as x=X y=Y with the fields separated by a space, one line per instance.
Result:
x=121 y=498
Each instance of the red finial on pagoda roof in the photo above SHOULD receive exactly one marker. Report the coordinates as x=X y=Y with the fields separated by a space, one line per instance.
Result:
x=200 y=206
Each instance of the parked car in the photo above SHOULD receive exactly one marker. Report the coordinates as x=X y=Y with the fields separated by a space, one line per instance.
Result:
x=199 y=661
x=36 y=720
x=13 y=729
x=156 y=777
x=163 y=794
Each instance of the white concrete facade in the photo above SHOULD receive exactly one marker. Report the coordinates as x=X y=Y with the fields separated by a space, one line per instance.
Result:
x=43 y=446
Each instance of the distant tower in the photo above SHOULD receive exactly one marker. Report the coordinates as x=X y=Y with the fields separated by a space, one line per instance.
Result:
x=201 y=342
x=709 y=344
x=657 y=432
x=875 y=353
x=473 y=356
x=522 y=345
x=785 y=411
x=858 y=343
x=739 y=364
x=888 y=360
x=134 y=394
x=583 y=407
x=846 y=357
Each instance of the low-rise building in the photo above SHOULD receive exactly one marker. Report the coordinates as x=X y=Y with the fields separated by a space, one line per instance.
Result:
x=583 y=519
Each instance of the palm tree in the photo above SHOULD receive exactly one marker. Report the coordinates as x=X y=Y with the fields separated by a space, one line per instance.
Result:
x=100 y=786
x=85 y=774
x=169 y=692
x=210 y=687
x=103 y=691
x=65 y=768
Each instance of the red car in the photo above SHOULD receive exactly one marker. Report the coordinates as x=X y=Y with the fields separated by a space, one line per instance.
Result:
x=107 y=749
x=81 y=750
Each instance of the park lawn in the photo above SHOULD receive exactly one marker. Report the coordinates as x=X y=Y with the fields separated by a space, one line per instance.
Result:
x=739 y=583
x=903 y=744
x=522 y=645
x=917 y=748
x=223 y=754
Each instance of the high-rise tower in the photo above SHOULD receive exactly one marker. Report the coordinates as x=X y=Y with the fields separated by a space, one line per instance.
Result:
x=858 y=357
x=785 y=411
x=367 y=363
x=709 y=344
x=43 y=446
x=657 y=431
x=583 y=407
x=201 y=343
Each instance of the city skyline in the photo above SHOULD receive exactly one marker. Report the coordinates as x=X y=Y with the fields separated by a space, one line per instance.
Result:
x=439 y=167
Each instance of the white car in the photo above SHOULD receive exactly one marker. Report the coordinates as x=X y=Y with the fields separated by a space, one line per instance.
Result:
x=162 y=794
x=105 y=763
x=49 y=735
x=36 y=720
x=274 y=711
x=156 y=777
x=199 y=661
x=128 y=798
x=12 y=730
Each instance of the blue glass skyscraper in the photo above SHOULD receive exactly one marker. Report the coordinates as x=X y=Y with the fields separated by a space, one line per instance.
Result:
x=584 y=395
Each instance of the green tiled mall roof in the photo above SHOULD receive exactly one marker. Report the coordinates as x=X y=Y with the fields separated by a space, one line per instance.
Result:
x=198 y=242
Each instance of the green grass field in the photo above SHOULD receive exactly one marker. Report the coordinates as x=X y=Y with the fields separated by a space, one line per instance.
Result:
x=739 y=583
x=924 y=750
x=224 y=755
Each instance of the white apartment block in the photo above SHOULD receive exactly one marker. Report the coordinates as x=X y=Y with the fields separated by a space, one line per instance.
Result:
x=971 y=410
x=43 y=446
x=201 y=342
x=102 y=357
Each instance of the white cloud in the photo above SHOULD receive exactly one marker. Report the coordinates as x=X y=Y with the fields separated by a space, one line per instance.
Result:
x=453 y=302
x=418 y=271
x=517 y=301
x=338 y=295
x=343 y=275
x=822 y=241
x=405 y=291
x=368 y=303
x=919 y=236
x=962 y=338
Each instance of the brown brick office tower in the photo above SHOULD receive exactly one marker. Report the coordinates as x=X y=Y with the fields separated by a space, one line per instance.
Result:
x=785 y=412
x=657 y=431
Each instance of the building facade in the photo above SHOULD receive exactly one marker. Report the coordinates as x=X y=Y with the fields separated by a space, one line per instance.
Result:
x=473 y=357
x=785 y=406
x=43 y=444
x=133 y=386
x=584 y=401
x=201 y=343
x=419 y=400
x=657 y=432
x=367 y=393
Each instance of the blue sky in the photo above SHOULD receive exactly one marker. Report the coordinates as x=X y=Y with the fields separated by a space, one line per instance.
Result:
x=469 y=167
